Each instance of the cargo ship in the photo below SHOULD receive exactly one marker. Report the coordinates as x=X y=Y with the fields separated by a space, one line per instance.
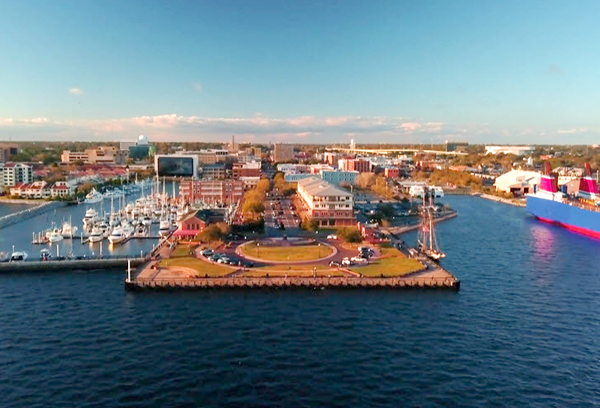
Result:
x=579 y=213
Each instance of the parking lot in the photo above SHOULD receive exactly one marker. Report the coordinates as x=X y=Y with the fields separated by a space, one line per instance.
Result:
x=280 y=212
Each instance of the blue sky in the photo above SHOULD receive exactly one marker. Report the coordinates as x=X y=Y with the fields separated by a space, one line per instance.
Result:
x=301 y=71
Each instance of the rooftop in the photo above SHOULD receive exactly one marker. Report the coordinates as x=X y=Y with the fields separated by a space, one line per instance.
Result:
x=317 y=187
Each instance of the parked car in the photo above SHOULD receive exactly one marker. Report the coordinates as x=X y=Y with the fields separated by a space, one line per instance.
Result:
x=334 y=263
x=347 y=262
x=223 y=260
x=359 y=260
x=215 y=258
x=332 y=236
x=207 y=252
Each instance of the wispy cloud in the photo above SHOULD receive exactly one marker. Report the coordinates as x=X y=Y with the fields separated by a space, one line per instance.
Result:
x=299 y=129
x=75 y=91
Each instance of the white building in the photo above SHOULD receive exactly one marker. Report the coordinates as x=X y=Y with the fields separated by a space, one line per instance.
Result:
x=329 y=205
x=516 y=150
x=15 y=173
x=518 y=182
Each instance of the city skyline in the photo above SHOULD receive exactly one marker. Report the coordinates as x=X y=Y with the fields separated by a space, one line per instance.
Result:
x=300 y=73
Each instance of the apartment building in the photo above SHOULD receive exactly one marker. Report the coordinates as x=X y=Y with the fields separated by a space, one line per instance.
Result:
x=250 y=169
x=329 y=205
x=7 y=150
x=98 y=155
x=12 y=174
x=212 y=191
x=360 y=165
x=215 y=171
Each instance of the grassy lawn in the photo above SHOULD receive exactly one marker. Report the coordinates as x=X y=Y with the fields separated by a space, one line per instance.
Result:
x=203 y=268
x=181 y=251
x=262 y=272
x=290 y=253
x=391 y=263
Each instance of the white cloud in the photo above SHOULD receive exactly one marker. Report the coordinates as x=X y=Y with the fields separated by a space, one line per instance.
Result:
x=75 y=91
x=260 y=129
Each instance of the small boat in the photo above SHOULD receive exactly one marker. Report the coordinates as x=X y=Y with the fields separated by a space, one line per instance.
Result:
x=18 y=256
x=141 y=231
x=45 y=254
x=3 y=257
x=55 y=236
x=147 y=221
x=93 y=197
x=165 y=228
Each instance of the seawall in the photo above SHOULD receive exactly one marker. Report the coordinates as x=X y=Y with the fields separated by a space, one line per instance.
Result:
x=76 y=264
x=23 y=215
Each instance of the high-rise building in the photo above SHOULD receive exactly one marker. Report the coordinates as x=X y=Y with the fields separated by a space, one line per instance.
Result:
x=352 y=145
x=15 y=173
x=283 y=152
x=7 y=150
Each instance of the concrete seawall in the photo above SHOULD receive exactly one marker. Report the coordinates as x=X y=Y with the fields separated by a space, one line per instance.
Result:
x=23 y=215
x=79 y=264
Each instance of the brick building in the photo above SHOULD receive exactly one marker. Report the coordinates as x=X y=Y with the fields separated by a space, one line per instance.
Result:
x=212 y=191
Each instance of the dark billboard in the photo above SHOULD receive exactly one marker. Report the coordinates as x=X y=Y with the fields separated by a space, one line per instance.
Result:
x=176 y=166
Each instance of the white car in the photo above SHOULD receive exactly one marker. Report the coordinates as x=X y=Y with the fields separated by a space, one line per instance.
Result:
x=332 y=236
x=347 y=262
x=224 y=260
x=359 y=260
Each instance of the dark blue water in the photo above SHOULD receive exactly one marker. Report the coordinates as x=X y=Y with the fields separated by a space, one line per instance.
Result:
x=524 y=331
x=6 y=209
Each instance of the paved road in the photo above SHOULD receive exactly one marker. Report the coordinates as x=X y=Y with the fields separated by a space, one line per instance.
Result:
x=281 y=211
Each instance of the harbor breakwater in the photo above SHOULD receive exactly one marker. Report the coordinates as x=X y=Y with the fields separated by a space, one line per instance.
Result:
x=23 y=215
x=516 y=202
x=74 y=264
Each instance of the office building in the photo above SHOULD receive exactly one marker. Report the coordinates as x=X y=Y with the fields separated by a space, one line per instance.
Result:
x=329 y=205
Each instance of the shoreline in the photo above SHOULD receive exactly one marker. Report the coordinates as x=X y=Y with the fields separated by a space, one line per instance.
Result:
x=514 y=202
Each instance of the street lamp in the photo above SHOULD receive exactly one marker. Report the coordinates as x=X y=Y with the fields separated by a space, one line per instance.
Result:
x=258 y=249
x=319 y=250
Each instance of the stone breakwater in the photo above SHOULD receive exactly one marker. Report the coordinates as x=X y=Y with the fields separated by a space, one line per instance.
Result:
x=23 y=215
x=515 y=201
x=75 y=264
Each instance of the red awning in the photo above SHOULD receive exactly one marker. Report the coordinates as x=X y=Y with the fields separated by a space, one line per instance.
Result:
x=186 y=233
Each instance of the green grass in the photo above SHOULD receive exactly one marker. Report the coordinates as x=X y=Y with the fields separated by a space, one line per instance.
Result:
x=288 y=253
x=181 y=251
x=392 y=263
x=261 y=273
x=201 y=267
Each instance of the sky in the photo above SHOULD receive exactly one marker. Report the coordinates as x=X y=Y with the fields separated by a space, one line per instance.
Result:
x=301 y=71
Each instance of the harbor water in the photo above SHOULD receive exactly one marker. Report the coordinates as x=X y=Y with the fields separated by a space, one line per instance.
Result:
x=523 y=331
x=7 y=209
x=21 y=235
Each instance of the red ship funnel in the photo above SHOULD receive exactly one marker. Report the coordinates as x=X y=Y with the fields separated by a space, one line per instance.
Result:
x=548 y=181
x=587 y=184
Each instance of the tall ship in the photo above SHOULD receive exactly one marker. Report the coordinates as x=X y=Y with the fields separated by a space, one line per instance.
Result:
x=579 y=213
x=427 y=242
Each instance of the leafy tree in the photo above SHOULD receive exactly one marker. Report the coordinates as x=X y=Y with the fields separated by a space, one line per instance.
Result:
x=350 y=234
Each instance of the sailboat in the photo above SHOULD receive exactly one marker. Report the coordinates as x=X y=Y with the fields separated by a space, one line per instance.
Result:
x=427 y=242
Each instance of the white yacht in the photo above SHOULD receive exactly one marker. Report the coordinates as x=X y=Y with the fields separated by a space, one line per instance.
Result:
x=93 y=197
x=96 y=235
x=68 y=230
x=55 y=236
x=164 y=228
x=117 y=236
x=91 y=216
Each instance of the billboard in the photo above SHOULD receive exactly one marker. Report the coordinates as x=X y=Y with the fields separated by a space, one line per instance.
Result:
x=176 y=166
